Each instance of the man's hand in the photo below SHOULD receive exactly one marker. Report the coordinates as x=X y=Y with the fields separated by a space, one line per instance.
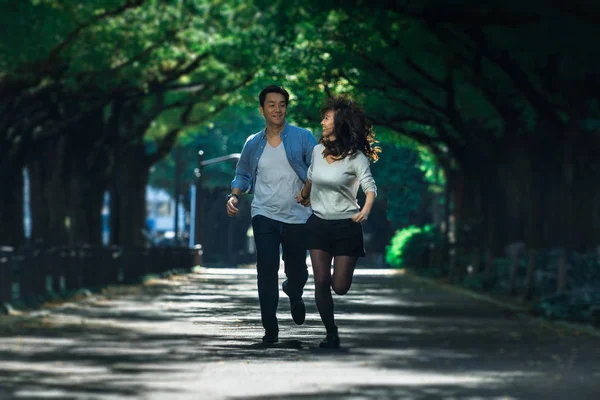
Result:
x=231 y=206
x=302 y=200
x=361 y=216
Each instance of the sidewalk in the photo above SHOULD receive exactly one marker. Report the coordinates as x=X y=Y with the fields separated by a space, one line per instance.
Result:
x=197 y=336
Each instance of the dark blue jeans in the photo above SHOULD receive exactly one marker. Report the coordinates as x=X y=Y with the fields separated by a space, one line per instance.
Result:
x=268 y=236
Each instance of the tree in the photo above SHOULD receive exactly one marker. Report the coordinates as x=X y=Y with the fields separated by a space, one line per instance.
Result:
x=114 y=67
x=504 y=100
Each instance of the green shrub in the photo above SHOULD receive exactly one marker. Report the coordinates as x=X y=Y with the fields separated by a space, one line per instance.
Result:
x=408 y=246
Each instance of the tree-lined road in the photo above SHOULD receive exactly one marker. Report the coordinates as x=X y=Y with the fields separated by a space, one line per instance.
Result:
x=197 y=336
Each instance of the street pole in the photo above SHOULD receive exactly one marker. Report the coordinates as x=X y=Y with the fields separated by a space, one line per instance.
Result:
x=198 y=204
x=199 y=214
x=176 y=192
x=230 y=241
x=115 y=195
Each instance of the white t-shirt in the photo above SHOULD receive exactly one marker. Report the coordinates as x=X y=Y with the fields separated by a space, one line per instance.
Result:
x=335 y=185
x=276 y=186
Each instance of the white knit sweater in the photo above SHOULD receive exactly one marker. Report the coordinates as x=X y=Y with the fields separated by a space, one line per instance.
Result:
x=335 y=185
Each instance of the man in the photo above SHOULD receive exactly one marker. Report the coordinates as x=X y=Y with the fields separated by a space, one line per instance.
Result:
x=273 y=166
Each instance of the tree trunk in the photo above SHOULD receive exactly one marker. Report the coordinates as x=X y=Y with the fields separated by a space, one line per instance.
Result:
x=513 y=251
x=48 y=171
x=133 y=172
x=531 y=215
x=453 y=213
x=12 y=231
x=489 y=271
x=88 y=179
x=582 y=195
x=68 y=179
x=85 y=211
x=436 y=199
x=39 y=211
x=494 y=212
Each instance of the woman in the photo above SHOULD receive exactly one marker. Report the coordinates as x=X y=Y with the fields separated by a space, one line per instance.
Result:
x=340 y=163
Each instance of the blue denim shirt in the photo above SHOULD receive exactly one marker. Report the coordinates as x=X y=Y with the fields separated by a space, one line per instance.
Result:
x=298 y=144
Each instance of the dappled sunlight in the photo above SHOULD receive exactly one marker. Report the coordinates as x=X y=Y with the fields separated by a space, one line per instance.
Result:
x=378 y=272
x=372 y=317
x=251 y=270
x=278 y=378
x=381 y=301
x=200 y=334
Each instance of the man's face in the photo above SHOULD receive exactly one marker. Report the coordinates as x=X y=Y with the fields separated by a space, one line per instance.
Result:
x=274 y=109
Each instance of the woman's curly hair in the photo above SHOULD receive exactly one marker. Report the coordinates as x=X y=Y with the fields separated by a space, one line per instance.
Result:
x=352 y=130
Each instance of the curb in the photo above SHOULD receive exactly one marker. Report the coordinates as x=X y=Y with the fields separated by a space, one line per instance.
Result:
x=522 y=310
x=9 y=313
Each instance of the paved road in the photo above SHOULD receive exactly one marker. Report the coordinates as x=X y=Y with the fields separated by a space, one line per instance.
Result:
x=197 y=336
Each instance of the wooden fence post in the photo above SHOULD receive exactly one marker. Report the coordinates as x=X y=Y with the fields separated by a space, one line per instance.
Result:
x=561 y=278
x=6 y=266
x=531 y=266
x=514 y=250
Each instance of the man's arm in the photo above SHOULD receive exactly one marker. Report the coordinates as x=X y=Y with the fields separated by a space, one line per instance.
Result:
x=243 y=173
x=241 y=182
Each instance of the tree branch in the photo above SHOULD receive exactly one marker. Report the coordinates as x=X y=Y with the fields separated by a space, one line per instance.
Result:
x=518 y=76
x=444 y=13
x=400 y=83
x=72 y=36
x=419 y=70
x=168 y=141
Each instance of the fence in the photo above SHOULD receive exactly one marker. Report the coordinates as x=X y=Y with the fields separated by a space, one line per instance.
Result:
x=519 y=270
x=30 y=276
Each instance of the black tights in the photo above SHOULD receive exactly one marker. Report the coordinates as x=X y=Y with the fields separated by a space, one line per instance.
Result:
x=340 y=281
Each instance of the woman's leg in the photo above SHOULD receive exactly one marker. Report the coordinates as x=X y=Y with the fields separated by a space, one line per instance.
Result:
x=343 y=271
x=321 y=263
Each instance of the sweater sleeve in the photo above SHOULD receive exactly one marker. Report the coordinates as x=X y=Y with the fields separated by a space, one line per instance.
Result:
x=363 y=173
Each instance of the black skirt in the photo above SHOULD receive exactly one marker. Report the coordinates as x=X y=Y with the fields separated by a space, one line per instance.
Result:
x=338 y=237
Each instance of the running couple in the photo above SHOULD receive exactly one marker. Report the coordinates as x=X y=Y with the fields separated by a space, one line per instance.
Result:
x=305 y=198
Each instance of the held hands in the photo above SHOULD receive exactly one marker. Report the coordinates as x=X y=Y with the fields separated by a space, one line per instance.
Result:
x=231 y=206
x=361 y=216
x=302 y=200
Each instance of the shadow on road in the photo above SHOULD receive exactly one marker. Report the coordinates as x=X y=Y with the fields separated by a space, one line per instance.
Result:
x=198 y=336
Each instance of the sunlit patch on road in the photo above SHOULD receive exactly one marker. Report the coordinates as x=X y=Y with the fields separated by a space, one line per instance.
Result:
x=198 y=336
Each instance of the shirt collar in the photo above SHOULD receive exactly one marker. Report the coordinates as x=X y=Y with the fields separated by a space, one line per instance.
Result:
x=282 y=134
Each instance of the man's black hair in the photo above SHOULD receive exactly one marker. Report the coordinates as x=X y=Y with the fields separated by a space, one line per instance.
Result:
x=273 y=89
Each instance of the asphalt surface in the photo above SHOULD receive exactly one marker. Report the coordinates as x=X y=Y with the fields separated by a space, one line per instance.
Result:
x=198 y=336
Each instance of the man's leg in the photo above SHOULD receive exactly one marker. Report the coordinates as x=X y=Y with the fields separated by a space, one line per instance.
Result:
x=296 y=271
x=267 y=238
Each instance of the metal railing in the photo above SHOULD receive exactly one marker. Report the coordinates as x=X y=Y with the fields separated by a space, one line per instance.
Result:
x=32 y=275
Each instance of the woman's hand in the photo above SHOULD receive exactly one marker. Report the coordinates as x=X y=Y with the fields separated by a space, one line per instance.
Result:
x=361 y=216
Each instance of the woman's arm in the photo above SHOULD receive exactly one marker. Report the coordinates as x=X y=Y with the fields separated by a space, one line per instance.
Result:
x=364 y=175
x=363 y=214
x=367 y=183
x=303 y=196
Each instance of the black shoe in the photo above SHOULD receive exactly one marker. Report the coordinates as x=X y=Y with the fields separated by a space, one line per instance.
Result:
x=270 y=337
x=297 y=306
x=331 y=341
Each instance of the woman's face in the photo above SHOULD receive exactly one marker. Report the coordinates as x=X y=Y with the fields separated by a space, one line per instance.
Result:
x=327 y=124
